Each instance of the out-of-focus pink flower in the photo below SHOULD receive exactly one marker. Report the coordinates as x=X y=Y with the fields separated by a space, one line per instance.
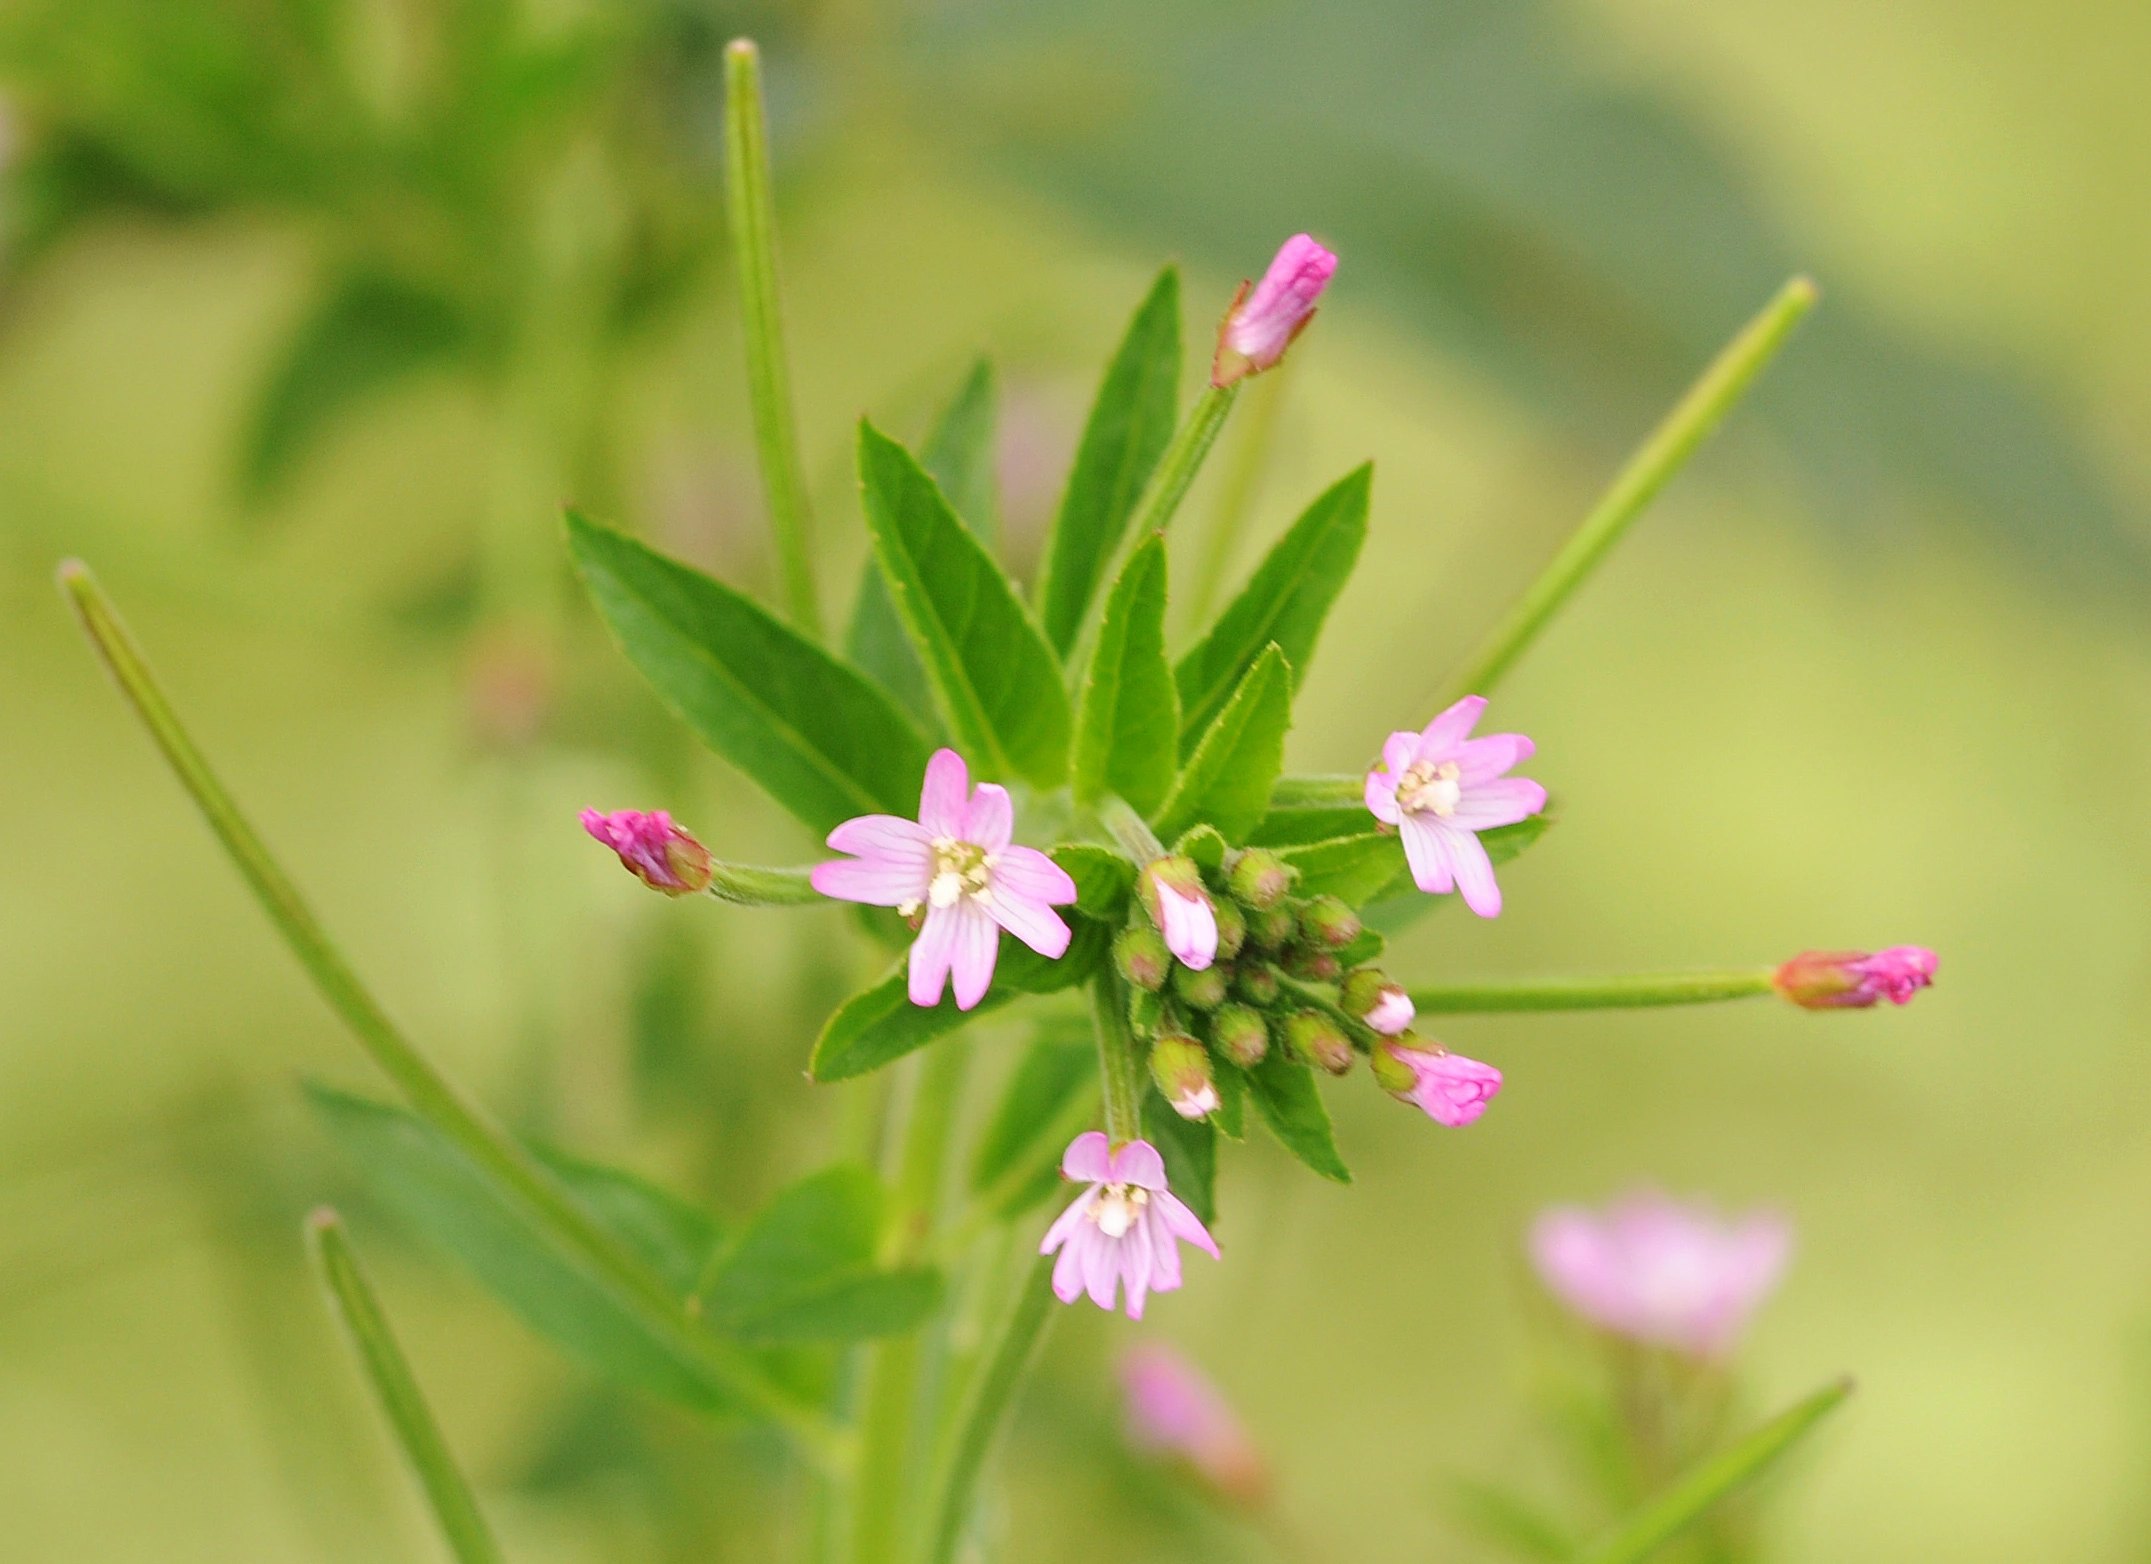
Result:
x=653 y=849
x=1854 y=980
x=1449 y=1088
x=1123 y=1230
x=1263 y=323
x=1440 y=787
x=1173 y=891
x=1660 y=1271
x=955 y=863
x=1174 y=1410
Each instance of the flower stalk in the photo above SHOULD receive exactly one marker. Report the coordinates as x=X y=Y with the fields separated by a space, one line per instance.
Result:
x=1182 y=460
x=1622 y=991
x=1119 y=1071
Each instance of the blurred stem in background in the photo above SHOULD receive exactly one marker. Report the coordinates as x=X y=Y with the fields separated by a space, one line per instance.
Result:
x=1247 y=462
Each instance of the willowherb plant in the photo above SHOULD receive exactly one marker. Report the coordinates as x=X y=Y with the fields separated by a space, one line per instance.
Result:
x=1199 y=934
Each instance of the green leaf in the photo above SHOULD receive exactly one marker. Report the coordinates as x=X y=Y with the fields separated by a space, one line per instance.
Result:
x=1293 y=827
x=1286 y=602
x=881 y=1025
x=1061 y=1063
x=1129 y=727
x=1204 y=846
x=1703 y=1485
x=1226 y=782
x=996 y=682
x=1368 y=945
x=805 y=1268
x=1131 y=423
x=1401 y=903
x=820 y=737
x=1285 y=1096
x=1231 y=1115
x=958 y=455
x=1505 y=1519
x=1189 y=1147
x=421 y=1177
x=1102 y=878
x=1352 y=868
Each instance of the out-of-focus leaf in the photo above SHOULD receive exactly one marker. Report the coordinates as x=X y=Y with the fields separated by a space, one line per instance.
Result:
x=1400 y=903
x=881 y=1025
x=1060 y=1064
x=1131 y=423
x=996 y=682
x=1507 y=1520
x=1352 y=868
x=820 y=737
x=805 y=1268
x=1226 y=782
x=1285 y=1096
x=364 y=335
x=1128 y=727
x=1102 y=879
x=1189 y=1147
x=1284 y=604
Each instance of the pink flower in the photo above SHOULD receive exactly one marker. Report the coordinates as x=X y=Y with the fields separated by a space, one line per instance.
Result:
x=1262 y=324
x=1123 y=1229
x=1852 y=979
x=1174 y=1410
x=1450 y=1088
x=957 y=863
x=1441 y=787
x=653 y=849
x=1658 y=1271
x=1173 y=891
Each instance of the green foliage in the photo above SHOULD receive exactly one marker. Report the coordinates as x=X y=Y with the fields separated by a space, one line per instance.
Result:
x=1232 y=1091
x=996 y=682
x=822 y=739
x=806 y=1268
x=1284 y=604
x=1226 y=782
x=1129 y=723
x=1059 y=1067
x=1285 y=1096
x=1352 y=868
x=1102 y=878
x=1130 y=424
x=1189 y=1147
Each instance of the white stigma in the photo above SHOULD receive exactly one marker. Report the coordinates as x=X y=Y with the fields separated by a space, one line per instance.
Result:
x=960 y=869
x=1431 y=790
x=1116 y=1209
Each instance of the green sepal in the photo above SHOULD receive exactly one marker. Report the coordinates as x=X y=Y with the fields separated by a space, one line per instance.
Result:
x=1226 y=782
x=1285 y=1096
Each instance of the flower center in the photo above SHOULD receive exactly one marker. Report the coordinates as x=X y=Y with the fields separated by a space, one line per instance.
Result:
x=960 y=869
x=1115 y=1211
x=1430 y=789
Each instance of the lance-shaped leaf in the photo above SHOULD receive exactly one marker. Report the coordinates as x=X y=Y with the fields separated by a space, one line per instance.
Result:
x=996 y=682
x=420 y=1176
x=1189 y=1149
x=1102 y=878
x=805 y=1268
x=1286 y=602
x=1131 y=423
x=819 y=736
x=1351 y=868
x=881 y=1025
x=1226 y=782
x=1128 y=726
x=1285 y=1096
x=958 y=455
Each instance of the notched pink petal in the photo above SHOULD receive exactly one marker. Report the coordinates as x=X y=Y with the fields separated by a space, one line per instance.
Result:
x=876 y=882
x=1088 y=1159
x=1503 y=801
x=943 y=797
x=1036 y=925
x=1138 y=1162
x=1442 y=736
x=932 y=953
x=1481 y=760
x=1399 y=750
x=989 y=820
x=977 y=949
x=1031 y=874
x=1381 y=797
x=1427 y=851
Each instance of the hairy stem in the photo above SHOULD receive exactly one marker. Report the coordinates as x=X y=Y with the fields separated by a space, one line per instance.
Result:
x=984 y=1409
x=1119 y=1071
x=1247 y=459
x=1182 y=460
x=1655 y=462
x=1622 y=991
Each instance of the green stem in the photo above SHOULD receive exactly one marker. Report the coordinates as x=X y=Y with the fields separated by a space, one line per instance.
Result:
x=988 y=1403
x=1119 y=1072
x=1318 y=792
x=1182 y=460
x=745 y=885
x=1242 y=482
x=1624 y=991
x=751 y=212
x=419 y=1436
x=1636 y=485
x=431 y=1094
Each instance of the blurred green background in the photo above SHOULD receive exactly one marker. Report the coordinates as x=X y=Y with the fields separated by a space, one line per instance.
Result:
x=314 y=309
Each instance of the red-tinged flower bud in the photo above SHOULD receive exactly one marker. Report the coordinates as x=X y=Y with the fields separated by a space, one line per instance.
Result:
x=1370 y=995
x=1204 y=990
x=1313 y=1038
x=1259 y=880
x=1449 y=1088
x=1274 y=928
x=1181 y=1067
x=1258 y=985
x=1141 y=957
x=1264 y=322
x=1172 y=890
x=1391 y=1073
x=1313 y=964
x=1231 y=928
x=653 y=849
x=1327 y=921
x=1241 y=1035
x=1853 y=979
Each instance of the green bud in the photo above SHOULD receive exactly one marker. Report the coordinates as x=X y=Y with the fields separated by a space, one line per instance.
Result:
x=1241 y=1035
x=1257 y=984
x=1181 y=1068
x=1204 y=990
x=1313 y=1038
x=1140 y=954
x=1260 y=879
x=1273 y=929
x=1361 y=991
x=1231 y=928
x=1313 y=964
x=1328 y=921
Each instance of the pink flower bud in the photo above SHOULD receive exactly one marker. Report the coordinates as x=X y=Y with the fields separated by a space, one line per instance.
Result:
x=653 y=849
x=1173 y=892
x=1854 y=980
x=1383 y=1005
x=1174 y=1410
x=1263 y=323
x=1181 y=1068
x=1449 y=1088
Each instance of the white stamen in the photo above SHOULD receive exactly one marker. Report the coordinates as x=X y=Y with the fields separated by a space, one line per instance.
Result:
x=1432 y=790
x=1116 y=1209
x=944 y=890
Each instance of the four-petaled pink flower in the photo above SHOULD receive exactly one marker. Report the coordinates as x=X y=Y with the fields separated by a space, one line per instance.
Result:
x=1263 y=323
x=956 y=863
x=1124 y=1229
x=1173 y=1409
x=1440 y=787
x=1449 y=1088
x=1854 y=980
x=653 y=849
x=1660 y=1271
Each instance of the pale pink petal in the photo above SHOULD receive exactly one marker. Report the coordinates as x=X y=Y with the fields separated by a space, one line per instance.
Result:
x=933 y=952
x=1381 y=795
x=1474 y=872
x=886 y=836
x=989 y=820
x=1068 y=1270
x=1165 y=1254
x=1452 y=1089
x=1427 y=851
x=1445 y=733
x=1190 y=928
x=977 y=948
x=1183 y=1223
x=1101 y=1265
x=1138 y=1163
x=1399 y=750
x=1031 y=874
x=942 y=799
x=877 y=881
x=1067 y=1222
x=1481 y=760
x=1088 y=1159
x=1503 y=801
x=1135 y=1262
x=1036 y=925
